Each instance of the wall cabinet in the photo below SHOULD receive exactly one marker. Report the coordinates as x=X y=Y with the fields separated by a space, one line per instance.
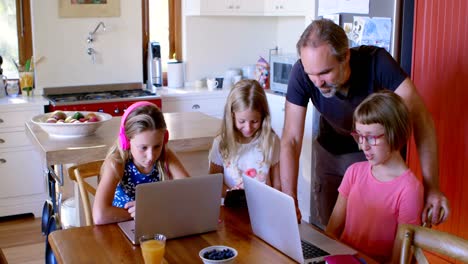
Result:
x=22 y=182
x=210 y=103
x=277 y=111
x=286 y=8
x=245 y=7
x=223 y=7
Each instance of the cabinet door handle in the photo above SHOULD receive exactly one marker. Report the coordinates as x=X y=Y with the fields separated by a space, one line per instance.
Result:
x=2 y=140
x=195 y=106
x=1 y=120
x=2 y=161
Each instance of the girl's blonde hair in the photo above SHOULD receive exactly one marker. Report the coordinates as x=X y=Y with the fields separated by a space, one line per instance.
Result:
x=388 y=109
x=141 y=119
x=246 y=95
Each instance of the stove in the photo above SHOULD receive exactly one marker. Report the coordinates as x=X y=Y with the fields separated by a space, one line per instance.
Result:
x=111 y=99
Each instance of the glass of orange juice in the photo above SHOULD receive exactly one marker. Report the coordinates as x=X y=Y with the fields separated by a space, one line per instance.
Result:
x=152 y=248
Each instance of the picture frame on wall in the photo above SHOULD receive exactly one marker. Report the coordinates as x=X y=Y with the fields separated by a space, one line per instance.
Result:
x=89 y=8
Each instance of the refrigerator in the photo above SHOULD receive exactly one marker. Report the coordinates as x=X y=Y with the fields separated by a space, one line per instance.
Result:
x=400 y=13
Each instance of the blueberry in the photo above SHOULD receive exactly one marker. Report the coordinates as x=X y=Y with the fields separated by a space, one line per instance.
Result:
x=218 y=254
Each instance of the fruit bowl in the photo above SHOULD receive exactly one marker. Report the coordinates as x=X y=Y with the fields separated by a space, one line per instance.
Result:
x=218 y=255
x=75 y=128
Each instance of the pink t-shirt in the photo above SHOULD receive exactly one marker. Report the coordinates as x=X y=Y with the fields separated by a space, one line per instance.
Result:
x=374 y=209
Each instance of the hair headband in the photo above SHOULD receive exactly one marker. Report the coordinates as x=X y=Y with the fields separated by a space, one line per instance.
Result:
x=124 y=142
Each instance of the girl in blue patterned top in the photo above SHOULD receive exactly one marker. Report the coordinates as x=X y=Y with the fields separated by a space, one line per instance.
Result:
x=139 y=156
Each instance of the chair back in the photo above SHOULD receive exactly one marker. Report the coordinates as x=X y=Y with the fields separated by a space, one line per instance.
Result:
x=412 y=240
x=80 y=173
x=3 y=259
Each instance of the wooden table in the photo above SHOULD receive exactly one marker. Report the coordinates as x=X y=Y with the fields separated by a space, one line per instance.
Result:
x=107 y=244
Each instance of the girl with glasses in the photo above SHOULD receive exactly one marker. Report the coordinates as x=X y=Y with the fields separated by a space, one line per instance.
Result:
x=378 y=194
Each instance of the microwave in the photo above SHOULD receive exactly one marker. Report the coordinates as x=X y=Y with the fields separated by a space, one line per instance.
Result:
x=280 y=69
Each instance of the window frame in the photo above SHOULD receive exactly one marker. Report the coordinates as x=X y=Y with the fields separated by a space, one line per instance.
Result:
x=175 y=32
x=24 y=30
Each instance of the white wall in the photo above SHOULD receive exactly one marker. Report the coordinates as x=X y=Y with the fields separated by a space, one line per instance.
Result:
x=62 y=44
x=213 y=44
x=288 y=31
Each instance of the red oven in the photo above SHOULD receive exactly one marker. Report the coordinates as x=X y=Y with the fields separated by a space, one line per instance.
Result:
x=111 y=99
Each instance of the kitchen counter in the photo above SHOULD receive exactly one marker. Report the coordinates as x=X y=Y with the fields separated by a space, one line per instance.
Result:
x=190 y=90
x=188 y=131
x=20 y=100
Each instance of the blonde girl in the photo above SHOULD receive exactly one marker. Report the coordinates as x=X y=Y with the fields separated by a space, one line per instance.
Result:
x=138 y=156
x=246 y=145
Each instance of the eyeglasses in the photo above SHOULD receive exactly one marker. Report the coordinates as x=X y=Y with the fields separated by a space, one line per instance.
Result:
x=371 y=140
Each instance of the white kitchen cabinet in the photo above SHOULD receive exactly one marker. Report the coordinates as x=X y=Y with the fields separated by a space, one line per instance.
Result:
x=248 y=7
x=210 y=103
x=223 y=7
x=287 y=8
x=277 y=112
x=22 y=181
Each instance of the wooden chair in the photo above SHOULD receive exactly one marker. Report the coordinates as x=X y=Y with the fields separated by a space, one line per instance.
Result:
x=3 y=259
x=411 y=240
x=79 y=173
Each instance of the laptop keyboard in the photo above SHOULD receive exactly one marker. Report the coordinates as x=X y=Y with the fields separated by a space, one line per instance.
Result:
x=310 y=251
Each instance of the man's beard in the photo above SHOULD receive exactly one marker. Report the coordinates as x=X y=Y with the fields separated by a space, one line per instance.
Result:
x=329 y=94
x=334 y=87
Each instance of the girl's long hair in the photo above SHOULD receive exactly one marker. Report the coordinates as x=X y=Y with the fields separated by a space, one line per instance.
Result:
x=246 y=95
x=141 y=119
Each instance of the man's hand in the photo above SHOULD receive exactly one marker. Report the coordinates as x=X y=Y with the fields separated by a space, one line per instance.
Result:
x=437 y=203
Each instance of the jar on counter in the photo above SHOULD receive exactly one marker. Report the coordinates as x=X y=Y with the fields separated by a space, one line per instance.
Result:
x=12 y=88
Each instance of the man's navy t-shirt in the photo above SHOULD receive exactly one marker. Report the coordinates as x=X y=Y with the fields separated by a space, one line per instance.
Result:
x=372 y=69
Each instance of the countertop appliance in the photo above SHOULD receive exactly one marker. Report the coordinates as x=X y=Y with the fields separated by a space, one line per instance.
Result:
x=154 y=66
x=280 y=69
x=112 y=99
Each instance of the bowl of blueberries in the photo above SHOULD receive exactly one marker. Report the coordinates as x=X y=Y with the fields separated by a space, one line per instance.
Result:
x=218 y=255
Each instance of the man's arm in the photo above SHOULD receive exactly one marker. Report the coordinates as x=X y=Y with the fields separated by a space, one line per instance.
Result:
x=291 y=144
x=426 y=143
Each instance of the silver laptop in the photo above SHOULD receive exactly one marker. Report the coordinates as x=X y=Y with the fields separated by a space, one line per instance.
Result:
x=273 y=219
x=176 y=208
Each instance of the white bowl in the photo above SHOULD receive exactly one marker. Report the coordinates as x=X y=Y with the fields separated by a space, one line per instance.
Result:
x=70 y=129
x=218 y=248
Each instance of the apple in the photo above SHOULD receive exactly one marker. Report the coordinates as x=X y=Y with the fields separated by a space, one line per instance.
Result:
x=51 y=120
x=94 y=119
x=58 y=115
x=89 y=115
x=69 y=119
x=78 y=115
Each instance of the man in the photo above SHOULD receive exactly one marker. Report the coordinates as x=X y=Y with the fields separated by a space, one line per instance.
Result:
x=337 y=79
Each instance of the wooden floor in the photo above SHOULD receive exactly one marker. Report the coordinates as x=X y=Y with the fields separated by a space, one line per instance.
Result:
x=21 y=239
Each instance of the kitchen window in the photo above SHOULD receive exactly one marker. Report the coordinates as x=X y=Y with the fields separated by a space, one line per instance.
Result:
x=15 y=41
x=162 y=23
